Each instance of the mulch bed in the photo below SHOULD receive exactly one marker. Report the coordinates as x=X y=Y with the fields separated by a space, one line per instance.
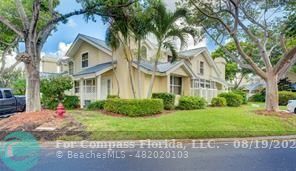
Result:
x=281 y=114
x=30 y=121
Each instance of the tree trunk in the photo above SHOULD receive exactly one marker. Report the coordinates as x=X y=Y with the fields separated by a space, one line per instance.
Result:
x=272 y=98
x=130 y=68
x=115 y=75
x=149 y=94
x=33 y=103
x=139 y=71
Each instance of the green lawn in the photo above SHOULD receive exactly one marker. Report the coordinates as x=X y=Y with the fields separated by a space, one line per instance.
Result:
x=206 y=123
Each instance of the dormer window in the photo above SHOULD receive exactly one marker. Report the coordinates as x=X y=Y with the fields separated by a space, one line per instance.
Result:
x=201 y=68
x=170 y=58
x=84 y=59
x=144 y=52
x=71 y=68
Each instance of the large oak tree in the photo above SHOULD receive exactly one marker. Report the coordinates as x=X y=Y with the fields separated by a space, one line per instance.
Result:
x=256 y=22
x=33 y=21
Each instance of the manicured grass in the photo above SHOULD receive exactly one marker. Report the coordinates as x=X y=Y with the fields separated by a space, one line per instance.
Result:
x=206 y=123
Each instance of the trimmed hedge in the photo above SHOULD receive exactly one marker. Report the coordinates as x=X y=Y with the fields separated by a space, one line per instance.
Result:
x=134 y=107
x=219 y=102
x=97 y=105
x=71 y=102
x=168 y=99
x=285 y=96
x=232 y=99
x=191 y=103
x=113 y=97
x=243 y=94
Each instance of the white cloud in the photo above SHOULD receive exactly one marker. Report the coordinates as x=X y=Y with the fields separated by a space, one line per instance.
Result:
x=60 y=53
x=71 y=23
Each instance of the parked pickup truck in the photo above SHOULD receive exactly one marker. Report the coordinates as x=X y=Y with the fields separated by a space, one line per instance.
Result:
x=9 y=103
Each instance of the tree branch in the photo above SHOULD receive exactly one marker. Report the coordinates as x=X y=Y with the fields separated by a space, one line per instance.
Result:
x=23 y=16
x=286 y=61
x=13 y=27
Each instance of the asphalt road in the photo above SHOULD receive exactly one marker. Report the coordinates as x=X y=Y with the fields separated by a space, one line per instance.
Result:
x=225 y=157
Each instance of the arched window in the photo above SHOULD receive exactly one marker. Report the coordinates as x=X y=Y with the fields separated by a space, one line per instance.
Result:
x=144 y=52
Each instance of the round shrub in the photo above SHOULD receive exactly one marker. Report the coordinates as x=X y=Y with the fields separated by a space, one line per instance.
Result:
x=285 y=96
x=243 y=94
x=134 y=107
x=168 y=99
x=219 y=102
x=71 y=102
x=232 y=99
x=191 y=103
x=258 y=97
x=97 y=105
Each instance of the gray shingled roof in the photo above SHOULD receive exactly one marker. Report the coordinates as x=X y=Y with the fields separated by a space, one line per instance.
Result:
x=191 y=52
x=161 y=67
x=96 y=41
x=94 y=69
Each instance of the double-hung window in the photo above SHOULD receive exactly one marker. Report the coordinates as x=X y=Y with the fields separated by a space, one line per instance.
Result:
x=71 y=68
x=201 y=67
x=84 y=59
x=176 y=85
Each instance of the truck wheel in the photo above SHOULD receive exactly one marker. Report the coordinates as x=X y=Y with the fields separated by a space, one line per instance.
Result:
x=295 y=110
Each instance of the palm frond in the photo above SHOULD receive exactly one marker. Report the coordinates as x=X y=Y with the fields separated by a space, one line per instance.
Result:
x=169 y=45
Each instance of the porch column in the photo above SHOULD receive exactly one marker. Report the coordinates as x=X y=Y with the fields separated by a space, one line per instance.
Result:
x=81 y=90
x=98 y=85
x=168 y=83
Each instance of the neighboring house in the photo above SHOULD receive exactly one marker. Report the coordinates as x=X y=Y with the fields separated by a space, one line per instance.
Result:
x=52 y=66
x=90 y=64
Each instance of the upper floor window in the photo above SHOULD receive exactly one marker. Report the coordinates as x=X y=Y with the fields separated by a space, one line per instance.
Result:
x=71 y=68
x=201 y=68
x=84 y=59
x=170 y=58
x=144 y=52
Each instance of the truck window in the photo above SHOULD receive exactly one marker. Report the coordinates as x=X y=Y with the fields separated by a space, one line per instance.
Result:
x=7 y=94
x=1 y=97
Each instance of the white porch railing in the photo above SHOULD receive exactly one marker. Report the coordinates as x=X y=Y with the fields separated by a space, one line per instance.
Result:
x=206 y=93
x=89 y=92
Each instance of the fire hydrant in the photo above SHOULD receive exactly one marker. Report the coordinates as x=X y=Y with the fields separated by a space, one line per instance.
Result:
x=60 y=110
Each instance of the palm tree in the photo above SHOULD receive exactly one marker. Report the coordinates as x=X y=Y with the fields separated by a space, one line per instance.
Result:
x=165 y=29
x=122 y=35
x=140 y=26
x=114 y=44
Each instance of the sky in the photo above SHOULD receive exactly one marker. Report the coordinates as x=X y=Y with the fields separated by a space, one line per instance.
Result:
x=60 y=40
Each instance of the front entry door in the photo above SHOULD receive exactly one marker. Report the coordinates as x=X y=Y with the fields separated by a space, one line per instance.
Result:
x=106 y=87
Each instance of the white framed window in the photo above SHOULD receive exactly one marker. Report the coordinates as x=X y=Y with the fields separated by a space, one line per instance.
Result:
x=176 y=85
x=109 y=87
x=71 y=68
x=202 y=83
x=77 y=86
x=201 y=67
x=84 y=60
x=208 y=84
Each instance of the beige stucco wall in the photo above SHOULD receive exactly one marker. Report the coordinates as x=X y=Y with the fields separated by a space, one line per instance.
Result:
x=95 y=56
x=49 y=66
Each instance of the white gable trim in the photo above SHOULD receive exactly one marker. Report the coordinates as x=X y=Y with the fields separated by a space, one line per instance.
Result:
x=81 y=38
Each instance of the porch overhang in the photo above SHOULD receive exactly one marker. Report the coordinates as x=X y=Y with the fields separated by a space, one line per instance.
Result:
x=94 y=71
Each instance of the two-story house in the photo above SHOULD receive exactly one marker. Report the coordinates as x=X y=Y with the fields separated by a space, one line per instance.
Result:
x=93 y=66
